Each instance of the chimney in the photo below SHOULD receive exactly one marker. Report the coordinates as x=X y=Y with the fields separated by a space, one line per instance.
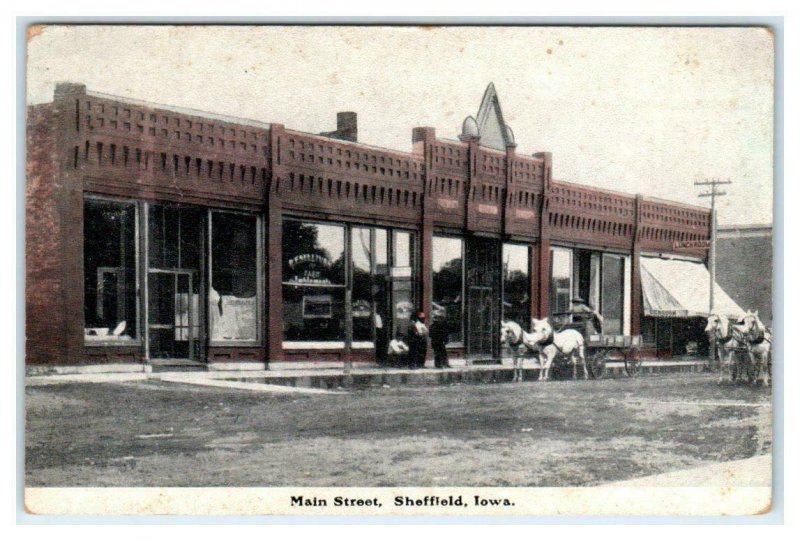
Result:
x=346 y=127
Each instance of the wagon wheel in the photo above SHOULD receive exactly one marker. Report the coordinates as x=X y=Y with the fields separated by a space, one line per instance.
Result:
x=632 y=363
x=597 y=364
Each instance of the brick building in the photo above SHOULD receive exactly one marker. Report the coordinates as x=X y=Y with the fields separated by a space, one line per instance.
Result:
x=744 y=266
x=158 y=236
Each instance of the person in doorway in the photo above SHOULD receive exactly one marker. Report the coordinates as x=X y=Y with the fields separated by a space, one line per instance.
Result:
x=417 y=340
x=438 y=335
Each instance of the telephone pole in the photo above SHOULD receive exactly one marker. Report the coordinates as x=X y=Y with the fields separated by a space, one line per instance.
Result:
x=712 y=256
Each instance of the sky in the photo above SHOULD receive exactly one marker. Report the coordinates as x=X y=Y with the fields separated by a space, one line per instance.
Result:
x=639 y=110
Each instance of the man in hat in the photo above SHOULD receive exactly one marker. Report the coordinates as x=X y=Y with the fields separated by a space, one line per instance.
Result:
x=586 y=312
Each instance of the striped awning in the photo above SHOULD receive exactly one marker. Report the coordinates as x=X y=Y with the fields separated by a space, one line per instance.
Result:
x=677 y=288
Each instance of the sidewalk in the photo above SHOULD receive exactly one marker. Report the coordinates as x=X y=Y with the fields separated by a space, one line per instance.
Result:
x=324 y=378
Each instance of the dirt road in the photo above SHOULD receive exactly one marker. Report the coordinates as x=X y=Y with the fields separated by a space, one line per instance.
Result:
x=564 y=433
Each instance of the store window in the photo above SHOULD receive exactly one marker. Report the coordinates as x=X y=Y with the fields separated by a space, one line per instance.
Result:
x=233 y=295
x=560 y=280
x=448 y=284
x=402 y=281
x=362 y=298
x=380 y=284
x=586 y=277
x=516 y=283
x=313 y=282
x=109 y=265
x=612 y=298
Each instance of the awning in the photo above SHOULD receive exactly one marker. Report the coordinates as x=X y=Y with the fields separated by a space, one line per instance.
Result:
x=676 y=288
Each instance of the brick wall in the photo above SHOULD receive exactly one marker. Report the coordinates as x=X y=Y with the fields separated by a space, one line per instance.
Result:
x=44 y=288
x=744 y=271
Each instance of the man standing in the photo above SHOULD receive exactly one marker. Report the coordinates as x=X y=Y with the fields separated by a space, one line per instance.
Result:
x=417 y=339
x=439 y=342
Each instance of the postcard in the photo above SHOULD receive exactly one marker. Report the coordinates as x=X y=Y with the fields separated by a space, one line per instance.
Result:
x=408 y=271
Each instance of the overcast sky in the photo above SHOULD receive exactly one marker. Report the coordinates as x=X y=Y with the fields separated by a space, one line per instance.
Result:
x=642 y=110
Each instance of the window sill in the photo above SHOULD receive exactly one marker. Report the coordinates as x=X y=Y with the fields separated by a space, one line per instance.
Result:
x=327 y=345
x=235 y=343
x=112 y=343
x=313 y=345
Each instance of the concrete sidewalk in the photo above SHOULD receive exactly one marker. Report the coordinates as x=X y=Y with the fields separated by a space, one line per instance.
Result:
x=324 y=378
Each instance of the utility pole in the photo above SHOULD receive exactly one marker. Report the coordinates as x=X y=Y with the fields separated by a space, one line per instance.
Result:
x=712 y=256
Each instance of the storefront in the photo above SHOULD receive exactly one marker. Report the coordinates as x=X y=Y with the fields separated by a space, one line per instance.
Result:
x=173 y=279
x=346 y=286
x=600 y=280
x=676 y=302
x=227 y=243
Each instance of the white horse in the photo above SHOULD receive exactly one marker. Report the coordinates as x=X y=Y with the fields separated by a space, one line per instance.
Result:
x=519 y=343
x=728 y=339
x=759 y=344
x=549 y=343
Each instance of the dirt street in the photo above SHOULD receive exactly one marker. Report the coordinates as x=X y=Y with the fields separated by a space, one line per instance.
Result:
x=561 y=433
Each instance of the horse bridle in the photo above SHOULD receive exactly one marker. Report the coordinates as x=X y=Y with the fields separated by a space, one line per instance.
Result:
x=549 y=340
x=518 y=341
x=755 y=335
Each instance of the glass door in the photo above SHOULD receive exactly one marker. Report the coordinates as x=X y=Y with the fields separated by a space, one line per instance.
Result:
x=481 y=334
x=173 y=315
x=483 y=298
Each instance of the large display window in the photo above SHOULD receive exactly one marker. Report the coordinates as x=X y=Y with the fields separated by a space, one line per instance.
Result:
x=560 y=280
x=109 y=265
x=448 y=285
x=612 y=298
x=313 y=282
x=516 y=283
x=335 y=271
x=235 y=286
x=599 y=280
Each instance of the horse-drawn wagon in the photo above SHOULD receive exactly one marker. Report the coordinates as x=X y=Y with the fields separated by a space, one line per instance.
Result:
x=602 y=348
x=581 y=343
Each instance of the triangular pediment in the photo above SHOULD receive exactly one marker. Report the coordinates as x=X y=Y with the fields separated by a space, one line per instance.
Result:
x=492 y=128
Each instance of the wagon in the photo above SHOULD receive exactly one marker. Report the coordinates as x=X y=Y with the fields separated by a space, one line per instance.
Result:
x=600 y=348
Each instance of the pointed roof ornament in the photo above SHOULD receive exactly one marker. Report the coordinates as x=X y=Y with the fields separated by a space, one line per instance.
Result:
x=492 y=128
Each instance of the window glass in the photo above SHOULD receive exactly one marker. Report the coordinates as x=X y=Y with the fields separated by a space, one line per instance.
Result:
x=233 y=302
x=109 y=261
x=516 y=283
x=381 y=251
x=402 y=284
x=402 y=249
x=313 y=278
x=560 y=280
x=381 y=294
x=360 y=242
x=313 y=253
x=313 y=314
x=175 y=237
x=612 y=295
x=649 y=331
x=448 y=278
x=586 y=277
